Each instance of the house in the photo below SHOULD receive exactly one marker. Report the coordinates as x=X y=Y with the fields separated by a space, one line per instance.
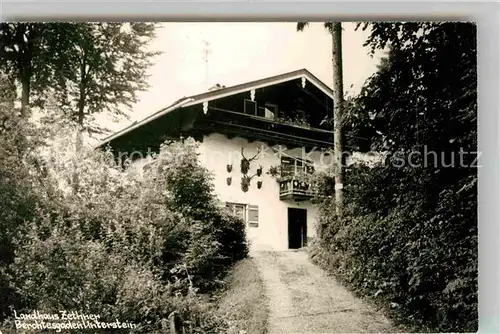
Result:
x=261 y=139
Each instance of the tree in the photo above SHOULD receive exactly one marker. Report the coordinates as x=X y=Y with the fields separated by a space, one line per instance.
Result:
x=429 y=80
x=7 y=93
x=335 y=29
x=23 y=57
x=410 y=237
x=88 y=67
x=105 y=65
x=98 y=67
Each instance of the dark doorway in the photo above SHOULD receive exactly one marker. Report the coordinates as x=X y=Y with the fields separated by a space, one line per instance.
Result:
x=297 y=228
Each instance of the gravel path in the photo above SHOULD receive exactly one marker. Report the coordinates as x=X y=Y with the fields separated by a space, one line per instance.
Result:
x=303 y=299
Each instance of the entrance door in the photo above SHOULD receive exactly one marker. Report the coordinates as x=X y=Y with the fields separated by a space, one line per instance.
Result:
x=297 y=228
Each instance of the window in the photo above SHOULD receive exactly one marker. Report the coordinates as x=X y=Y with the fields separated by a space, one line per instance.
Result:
x=237 y=209
x=270 y=111
x=240 y=210
x=290 y=166
x=250 y=107
x=287 y=166
x=304 y=166
x=299 y=166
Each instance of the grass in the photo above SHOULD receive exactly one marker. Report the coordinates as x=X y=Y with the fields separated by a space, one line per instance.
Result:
x=245 y=304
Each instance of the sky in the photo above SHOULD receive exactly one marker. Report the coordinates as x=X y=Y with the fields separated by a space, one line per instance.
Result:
x=242 y=52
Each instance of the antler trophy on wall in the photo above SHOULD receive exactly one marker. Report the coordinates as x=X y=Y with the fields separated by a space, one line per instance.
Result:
x=245 y=168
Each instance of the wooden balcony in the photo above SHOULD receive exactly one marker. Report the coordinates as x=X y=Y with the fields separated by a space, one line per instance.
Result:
x=296 y=189
x=254 y=127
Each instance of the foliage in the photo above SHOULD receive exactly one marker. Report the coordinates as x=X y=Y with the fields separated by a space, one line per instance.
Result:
x=431 y=78
x=298 y=121
x=24 y=58
x=129 y=244
x=409 y=235
x=302 y=25
x=102 y=67
x=216 y=238
x=87 y=67
x=16 y=200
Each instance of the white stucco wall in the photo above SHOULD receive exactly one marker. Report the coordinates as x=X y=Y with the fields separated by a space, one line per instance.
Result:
x=217 y=151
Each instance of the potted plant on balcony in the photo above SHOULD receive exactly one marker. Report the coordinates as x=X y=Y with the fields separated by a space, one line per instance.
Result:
x=302 y=123
x=274 y=171
x=302 y=179
x=297 y=121
x=284 y=120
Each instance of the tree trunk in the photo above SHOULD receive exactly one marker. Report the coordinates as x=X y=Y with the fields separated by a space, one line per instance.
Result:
x=80 y=116
x=338 y=106
x=25 y=96
x=29 y=37
x=24 y=65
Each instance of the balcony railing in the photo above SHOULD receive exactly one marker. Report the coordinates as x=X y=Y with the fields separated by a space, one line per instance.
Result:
x=296 y=188
x=263 y=128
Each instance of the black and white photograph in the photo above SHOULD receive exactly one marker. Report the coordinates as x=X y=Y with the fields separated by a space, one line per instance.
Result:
x=238 y=177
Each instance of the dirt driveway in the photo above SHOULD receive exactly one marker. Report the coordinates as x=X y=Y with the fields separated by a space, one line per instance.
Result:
x=303 y=299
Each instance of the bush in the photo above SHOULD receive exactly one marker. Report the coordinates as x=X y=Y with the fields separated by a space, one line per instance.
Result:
x=114 y=241
x=209 y=238
x=416 y=257
x=17 y=201
x=409 y=238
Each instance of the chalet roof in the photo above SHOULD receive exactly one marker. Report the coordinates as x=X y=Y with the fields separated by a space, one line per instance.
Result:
x=223 y=92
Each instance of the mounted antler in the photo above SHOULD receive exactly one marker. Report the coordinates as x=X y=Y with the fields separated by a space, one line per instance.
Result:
x=245 y=163
x=252 y=158
x=255 y=156
x=245 y=168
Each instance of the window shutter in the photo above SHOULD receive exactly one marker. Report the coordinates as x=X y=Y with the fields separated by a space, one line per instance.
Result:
x=250 y=107
x=253 y=216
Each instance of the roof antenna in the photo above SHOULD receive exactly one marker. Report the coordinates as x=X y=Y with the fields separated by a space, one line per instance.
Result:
x=206 y=52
